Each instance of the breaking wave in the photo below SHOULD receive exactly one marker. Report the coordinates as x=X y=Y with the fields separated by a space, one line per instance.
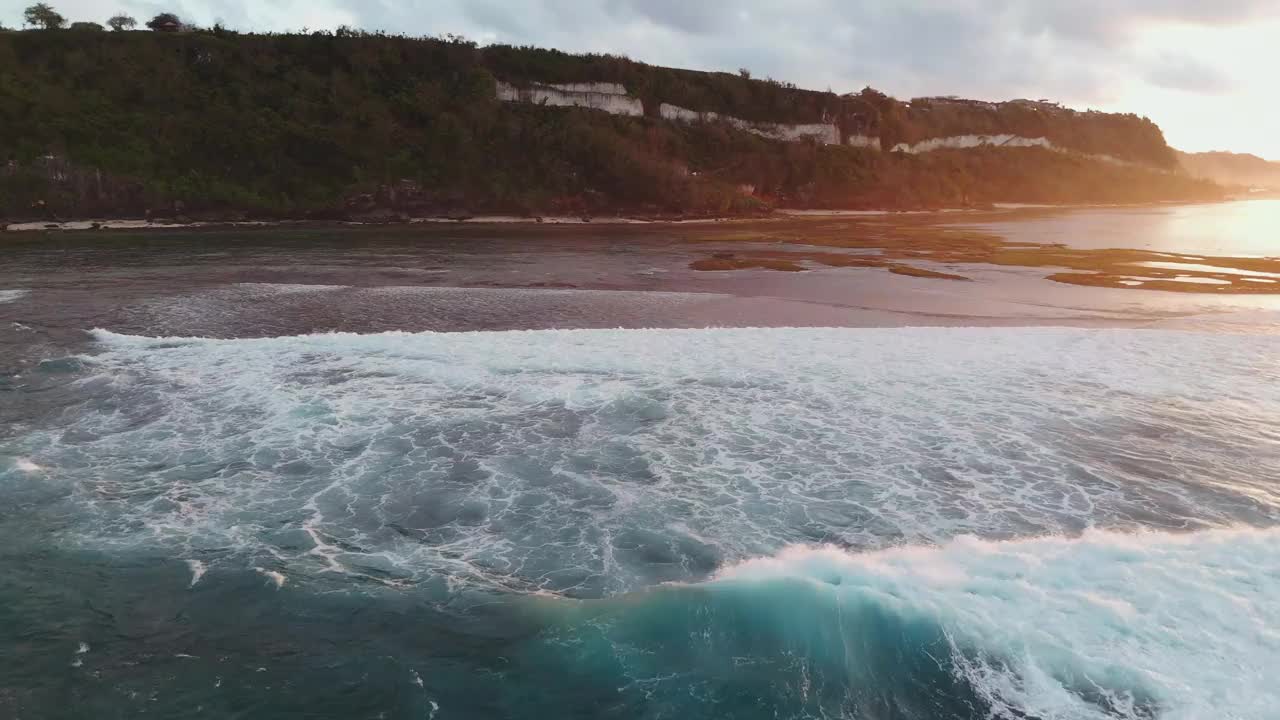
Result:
x=596 y=462
x=1106 y=625
x=907 y=523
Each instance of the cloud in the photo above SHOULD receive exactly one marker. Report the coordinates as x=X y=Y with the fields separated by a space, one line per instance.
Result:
x=1110 y=23
x=681 y=15
x=495 y=19
x=1185 y=73
x=995 y=48
x=984 y=48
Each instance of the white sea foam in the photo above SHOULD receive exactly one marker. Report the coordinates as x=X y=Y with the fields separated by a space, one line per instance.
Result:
x=1101 y=626
x=595 y=462
x=1207 y=268
x=599 y=462
x=27 y=466
x=198 y=569
x=7 y=296
x=276 y=577
x=81 y=649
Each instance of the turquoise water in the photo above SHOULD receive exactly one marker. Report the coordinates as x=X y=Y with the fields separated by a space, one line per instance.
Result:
x=865 y=523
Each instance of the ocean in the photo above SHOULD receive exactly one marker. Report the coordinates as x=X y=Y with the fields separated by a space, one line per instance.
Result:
x=244 y=479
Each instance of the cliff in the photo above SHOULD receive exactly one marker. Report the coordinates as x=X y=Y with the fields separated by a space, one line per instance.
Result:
x=1249 y=171
x=360 y=125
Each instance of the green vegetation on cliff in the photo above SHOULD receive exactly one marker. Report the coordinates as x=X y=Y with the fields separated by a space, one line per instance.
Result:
x=1123 y=136
x=122 y=123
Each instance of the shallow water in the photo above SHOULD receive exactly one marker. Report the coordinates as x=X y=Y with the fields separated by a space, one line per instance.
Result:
x=1234 y=229
x=259 y=483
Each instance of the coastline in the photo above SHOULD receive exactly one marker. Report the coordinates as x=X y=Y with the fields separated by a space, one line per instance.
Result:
x=612 y=220
x=942 y=245
x=100 y=224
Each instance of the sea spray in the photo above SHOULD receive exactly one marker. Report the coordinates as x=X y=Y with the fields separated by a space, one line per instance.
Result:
x=1106 y=625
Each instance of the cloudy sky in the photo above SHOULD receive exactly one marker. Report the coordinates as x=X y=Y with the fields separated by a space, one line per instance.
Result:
x=1203 y=69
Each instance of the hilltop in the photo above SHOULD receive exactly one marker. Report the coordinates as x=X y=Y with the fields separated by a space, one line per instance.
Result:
x=1227 y=168
x=357 y=125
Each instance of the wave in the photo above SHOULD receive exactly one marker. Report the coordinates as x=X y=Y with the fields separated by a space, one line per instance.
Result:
x=835 y=332
x=8 y=296
x=1106 y=625
x=597 y=462
x=655 y=476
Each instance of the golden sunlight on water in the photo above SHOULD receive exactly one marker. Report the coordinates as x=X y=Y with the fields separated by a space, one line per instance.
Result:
x=1241 y=229
x=1249 y=228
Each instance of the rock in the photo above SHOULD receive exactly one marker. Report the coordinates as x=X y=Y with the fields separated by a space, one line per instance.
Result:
x=377 y=215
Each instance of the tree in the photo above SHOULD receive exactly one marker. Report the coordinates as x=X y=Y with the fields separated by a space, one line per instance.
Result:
x=89 y=26
x=41 y=15
x=122 y=22
x=165 y=22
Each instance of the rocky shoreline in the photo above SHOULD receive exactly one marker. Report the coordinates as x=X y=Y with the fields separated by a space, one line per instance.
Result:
x=181 y=222
x=142 y=224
